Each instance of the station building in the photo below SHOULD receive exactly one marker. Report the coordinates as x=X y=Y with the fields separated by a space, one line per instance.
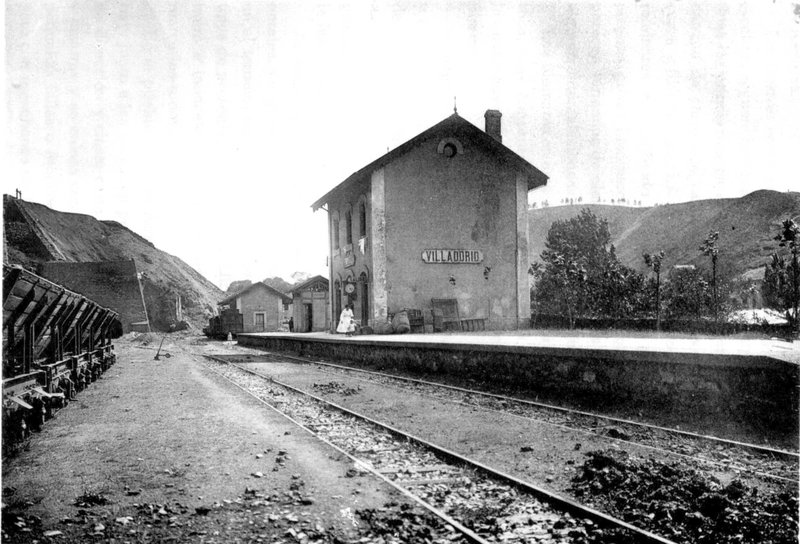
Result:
x=441 y=217
x=310 y=305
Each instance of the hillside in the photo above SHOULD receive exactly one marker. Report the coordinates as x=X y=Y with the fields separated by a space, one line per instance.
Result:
x=275 y=282
x=238 y=285
x=35 y=234
x=279 y=283
x=746 y=227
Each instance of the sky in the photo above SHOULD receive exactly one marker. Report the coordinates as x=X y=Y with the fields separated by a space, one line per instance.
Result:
x=210 y=127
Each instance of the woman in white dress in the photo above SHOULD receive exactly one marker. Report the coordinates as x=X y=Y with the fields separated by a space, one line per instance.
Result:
x=346 y=325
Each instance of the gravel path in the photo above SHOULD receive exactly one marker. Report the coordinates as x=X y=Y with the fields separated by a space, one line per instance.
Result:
x=167 y=451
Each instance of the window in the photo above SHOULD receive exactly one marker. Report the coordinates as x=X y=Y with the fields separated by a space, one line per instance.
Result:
x=362 y=217
x=450 y=147
x=335 y=229
x=348 y=225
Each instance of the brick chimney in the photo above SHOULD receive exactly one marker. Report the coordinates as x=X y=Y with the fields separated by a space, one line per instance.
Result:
x=493 y=124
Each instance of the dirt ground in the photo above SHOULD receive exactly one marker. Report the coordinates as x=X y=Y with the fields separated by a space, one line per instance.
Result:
x=168 y=451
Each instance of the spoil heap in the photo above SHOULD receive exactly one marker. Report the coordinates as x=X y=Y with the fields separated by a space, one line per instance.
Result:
x=34 y=234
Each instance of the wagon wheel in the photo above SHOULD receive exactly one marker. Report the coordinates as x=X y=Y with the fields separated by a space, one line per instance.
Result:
x=69 y=391
x=63 y=388
x=22 y=428
x=36 y=417
x=49 y=409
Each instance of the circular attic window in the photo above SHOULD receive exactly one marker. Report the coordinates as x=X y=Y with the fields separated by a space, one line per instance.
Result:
x=450 y=147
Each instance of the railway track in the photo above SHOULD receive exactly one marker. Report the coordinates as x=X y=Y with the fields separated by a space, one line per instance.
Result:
x=764 y=462
x=475 y=502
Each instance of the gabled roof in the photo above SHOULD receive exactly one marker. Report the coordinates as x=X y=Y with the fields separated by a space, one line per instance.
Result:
x=308 y=282
x=227 y=300
x=453 y=125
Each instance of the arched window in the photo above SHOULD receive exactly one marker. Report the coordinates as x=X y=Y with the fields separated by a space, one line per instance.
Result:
x=348 y=223
x=335 y=229
x=362 y=217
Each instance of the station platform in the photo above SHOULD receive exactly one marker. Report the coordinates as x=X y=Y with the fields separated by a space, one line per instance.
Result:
x=655 y=348
x=692 y=382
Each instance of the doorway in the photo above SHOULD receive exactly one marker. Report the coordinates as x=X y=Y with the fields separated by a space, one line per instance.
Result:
x=337 y=302
x=364 y=294
x=260 y=321
x=309 y=316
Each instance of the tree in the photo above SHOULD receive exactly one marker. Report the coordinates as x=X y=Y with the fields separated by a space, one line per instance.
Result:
x=789 y=237
x=687 y=294
x=617 y=291
x=776 y=289
x=654 y=261
x=581 y=275
x=709 y=249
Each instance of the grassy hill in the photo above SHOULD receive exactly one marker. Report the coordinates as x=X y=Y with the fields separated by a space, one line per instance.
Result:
x=746 y=228
x=35 y=234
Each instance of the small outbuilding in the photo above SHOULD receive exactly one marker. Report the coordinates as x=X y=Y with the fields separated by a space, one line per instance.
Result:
x=311 y=306
x=261 y=306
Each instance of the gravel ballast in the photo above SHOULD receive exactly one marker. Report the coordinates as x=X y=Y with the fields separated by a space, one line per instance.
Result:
x=556 y=458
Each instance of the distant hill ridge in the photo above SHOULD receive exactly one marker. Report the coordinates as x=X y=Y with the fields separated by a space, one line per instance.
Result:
x=275 y=282
x=746 y=226
x=36 y=234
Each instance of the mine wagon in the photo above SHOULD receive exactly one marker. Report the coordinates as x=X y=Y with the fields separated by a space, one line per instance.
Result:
x=55 y=343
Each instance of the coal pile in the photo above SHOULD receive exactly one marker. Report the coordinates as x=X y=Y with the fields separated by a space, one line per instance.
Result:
x=684 y=505
x=338 y=388
x=401 y=523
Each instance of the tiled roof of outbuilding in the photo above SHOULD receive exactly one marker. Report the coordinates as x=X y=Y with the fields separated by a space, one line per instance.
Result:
x=284 y=297
x=453 y=125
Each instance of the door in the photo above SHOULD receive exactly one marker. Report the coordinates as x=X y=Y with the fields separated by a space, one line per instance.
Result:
x=364 y=294
x=260 y=321
x=309 y=317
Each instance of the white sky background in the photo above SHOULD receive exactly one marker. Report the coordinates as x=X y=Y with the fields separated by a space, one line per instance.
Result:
x=209 y=127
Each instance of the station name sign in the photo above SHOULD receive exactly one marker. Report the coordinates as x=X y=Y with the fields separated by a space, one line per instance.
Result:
x=452 y=256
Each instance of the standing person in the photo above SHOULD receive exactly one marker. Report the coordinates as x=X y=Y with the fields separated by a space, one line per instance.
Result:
x=346 y=324
x=291 y=324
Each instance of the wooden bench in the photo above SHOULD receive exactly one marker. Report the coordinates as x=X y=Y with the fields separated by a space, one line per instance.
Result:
x=474 y=324
x=415 y=320
x=449 y=308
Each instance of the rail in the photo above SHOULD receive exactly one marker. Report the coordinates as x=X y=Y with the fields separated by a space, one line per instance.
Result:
x=451 y=474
